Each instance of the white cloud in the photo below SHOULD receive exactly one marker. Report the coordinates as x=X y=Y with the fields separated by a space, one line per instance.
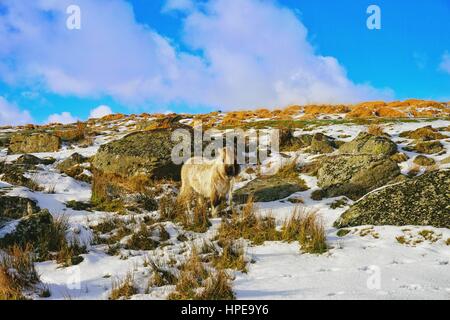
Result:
x=183 y=5
x=10 y=114
x=253 y=53
x=445 y=63
x=64 y=118
x=100 y=112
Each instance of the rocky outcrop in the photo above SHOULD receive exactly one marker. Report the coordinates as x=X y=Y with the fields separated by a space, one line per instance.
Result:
x=425 y=147
x=29 y=161
x=316 y=143
x=424 y=161
x=146 y=154
x=76 y=166
x=321 y=143
x=269 y=189
x=424 y=201
x=366 y=143
x=29 y=230
x=12 y=207
x=33 y=143
x=355 y=175
x=425 y=134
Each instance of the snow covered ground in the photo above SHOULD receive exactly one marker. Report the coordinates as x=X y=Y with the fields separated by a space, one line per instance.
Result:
x=371 y=265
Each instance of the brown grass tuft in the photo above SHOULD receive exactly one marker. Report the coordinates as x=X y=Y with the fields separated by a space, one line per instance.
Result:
x=17 y=273
x=123 y=289
x=306 y=228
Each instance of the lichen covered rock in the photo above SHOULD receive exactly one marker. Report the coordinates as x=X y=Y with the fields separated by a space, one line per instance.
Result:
x=269 y=189
x=424 y=161
x=355 y=175
x=424 y=200
x=426 y=147
x=426 y=134
x=366 y=143
x=76 y=166
x=141 y=155
x=29 y=230
x=33 y=143
x=12 y=207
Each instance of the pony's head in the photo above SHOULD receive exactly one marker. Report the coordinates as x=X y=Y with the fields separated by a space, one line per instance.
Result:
x=228 y=157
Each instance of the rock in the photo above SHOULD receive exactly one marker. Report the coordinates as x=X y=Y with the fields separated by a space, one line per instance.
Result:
x=12 y=207
x=424 y=201
x=317 y=143
x=427 y=147
x=269 y=189
x=445 y=161
x=425 y=134
x=28 y=160
x=355 y=175
x=399 y=157
x=4 y=140
x=424 y=161
x=74 y=160
x=145 y=155
x=33 y=143
x=366 y=143
x=290 y=143
x=75 y=166
x=29 y=230
x=13 y=175
x=321 y=143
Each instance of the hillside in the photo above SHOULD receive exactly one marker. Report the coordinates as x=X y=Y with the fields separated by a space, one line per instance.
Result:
x=354 y=205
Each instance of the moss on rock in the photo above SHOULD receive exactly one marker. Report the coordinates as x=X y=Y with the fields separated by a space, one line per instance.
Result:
x=424 y=200
x=33 y=143
x=366 y=143
x=355 y=175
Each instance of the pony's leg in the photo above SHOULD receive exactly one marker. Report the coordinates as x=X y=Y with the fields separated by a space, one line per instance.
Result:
x=215 y=202
x=230 y=194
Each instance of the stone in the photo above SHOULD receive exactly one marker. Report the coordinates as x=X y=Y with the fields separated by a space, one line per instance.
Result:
x=267 y=189
x=425 y=134
x=425 y=147
x=366 y=143
x=424 y=161
x=33 y=143
x=12 y=207
x=422 y=201
x=355 y=175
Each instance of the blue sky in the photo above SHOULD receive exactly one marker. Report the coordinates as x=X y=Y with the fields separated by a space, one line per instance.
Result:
x=195 y=56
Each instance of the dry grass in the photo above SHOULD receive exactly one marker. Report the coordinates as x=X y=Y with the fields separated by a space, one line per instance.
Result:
x=196 y=282
x=192 y=213
x=123 y=288
x=306 y=228
x=218 y=287
x=231 y=257
x=17 y=273
x=142 y=240
x=376 y=130
x=161 y=276
x=192 y=276
x=246 y=224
